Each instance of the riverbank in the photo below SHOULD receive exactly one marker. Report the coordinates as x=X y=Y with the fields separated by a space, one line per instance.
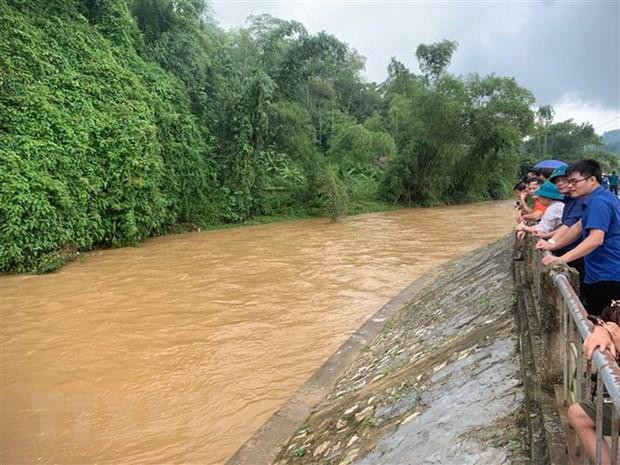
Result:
x=439 y=384
x=358 y=209
x=56 y=260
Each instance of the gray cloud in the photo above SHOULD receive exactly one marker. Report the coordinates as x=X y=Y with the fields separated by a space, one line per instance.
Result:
x=559 y=50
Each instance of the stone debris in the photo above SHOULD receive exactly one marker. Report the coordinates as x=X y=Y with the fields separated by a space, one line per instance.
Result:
x=341 y=424
x=440 y=366
x=334 y=451
x=353 y=440
x=364 y=413
x=350 y=457
x=321 y=449
x=409 y=418
x=350 y=410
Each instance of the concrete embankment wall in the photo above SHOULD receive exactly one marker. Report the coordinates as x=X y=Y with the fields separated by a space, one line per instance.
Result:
x=440 y=383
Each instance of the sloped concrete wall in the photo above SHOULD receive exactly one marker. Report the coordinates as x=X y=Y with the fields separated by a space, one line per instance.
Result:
x=440 y=385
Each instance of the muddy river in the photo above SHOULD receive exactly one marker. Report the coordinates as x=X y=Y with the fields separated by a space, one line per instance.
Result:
x=176 y=351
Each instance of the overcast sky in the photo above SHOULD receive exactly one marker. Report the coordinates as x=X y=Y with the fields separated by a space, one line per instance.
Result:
x=566 y=53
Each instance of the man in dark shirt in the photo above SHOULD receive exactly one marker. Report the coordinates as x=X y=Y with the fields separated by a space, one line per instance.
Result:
x=613 y=182
x=599 y=229
x=572 y=213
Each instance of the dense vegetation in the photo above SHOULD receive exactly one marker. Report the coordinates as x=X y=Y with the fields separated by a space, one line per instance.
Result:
x=122 y=119
x=566 y=141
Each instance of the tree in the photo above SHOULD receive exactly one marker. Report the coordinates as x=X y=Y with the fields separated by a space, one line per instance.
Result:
x=545 y=118
x=566 y=140
x=456 y=138
x=435 y=58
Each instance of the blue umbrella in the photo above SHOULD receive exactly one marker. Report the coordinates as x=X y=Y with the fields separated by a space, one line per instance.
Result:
x=553 y=164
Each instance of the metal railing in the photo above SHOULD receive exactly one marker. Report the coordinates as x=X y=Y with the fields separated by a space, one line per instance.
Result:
x=577 y=369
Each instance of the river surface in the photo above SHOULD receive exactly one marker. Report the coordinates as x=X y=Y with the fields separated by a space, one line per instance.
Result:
x=176 y=351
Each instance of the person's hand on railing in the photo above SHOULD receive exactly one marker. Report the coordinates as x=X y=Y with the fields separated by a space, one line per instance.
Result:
x=542 y=244
x=518 y=218
x=601 y=339
x=614 y=331
x=549 y=259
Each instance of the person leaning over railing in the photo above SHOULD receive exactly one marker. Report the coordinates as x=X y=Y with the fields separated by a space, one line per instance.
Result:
x=549 y=196
x=582 y=416
x=534 y=211
x=572 y=213
x=599 y=229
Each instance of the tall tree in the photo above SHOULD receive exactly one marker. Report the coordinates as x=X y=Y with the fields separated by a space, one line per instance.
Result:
x=435 y=58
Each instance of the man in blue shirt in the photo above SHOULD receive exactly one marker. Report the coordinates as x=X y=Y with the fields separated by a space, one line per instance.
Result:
x=599 y=229
x=572 y=213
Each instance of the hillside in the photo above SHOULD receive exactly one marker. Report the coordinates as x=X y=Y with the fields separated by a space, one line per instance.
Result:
x=612 y=141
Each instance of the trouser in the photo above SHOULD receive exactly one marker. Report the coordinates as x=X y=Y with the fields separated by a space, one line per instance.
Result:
x=595 y=297
x=580 y=266
x=590 y=408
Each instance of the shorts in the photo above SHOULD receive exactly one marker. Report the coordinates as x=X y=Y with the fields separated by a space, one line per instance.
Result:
x=590 y=408
x=596 y=296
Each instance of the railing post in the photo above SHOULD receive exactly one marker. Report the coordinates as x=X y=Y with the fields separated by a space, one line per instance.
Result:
x=599 y=417
x=551 y=314
x=615 y=423
x=565 y=352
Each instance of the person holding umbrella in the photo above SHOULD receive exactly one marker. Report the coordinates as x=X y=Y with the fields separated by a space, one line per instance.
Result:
x=546 y=167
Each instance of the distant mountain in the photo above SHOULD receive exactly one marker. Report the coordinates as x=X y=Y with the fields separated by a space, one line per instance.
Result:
x=611 y=136
x=612 y=141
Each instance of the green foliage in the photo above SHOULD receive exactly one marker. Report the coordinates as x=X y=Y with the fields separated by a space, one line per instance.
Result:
x=435 y=58
x=399 y=181
x=608 y=161
x=356 y=149
x=566 y=141
x=456 y=138
x=332 y=194
x=96 y=147
x=611 y=139
x=123 y=119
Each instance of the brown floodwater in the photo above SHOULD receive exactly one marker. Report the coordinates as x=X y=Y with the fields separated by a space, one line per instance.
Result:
x=176 y=351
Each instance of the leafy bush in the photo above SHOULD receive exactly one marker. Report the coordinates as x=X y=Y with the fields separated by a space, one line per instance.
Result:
x=332 y=193
x=96 y=146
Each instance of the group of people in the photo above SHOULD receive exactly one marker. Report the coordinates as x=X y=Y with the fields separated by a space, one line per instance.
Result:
x=578 y=219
